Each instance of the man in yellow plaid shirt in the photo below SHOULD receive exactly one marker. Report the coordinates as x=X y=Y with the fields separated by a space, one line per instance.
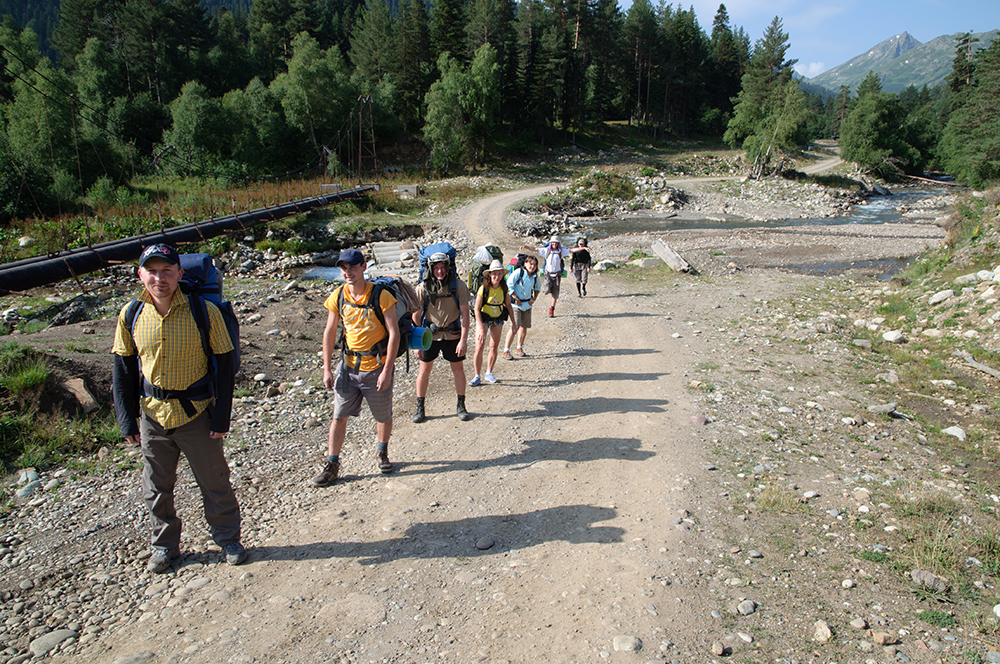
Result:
x=167 y=404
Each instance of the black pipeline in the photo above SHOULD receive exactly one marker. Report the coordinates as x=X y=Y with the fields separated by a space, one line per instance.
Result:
x=43 y=270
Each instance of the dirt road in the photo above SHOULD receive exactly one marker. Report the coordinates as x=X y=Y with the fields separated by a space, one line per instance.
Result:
x=582 y=471
x=592 y=508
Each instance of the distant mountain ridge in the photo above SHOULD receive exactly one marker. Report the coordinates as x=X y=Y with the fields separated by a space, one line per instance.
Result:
x=900 y=61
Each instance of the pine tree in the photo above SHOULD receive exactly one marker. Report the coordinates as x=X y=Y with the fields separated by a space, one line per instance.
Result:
x=605 y=57
x=372 y=60
x=769 y=102
x=78 y=21
x=640 y=36
x=492 y=22
x=726 y=64
x=963 y=70
x=412 y=60
x=971 y=142
x=685 y=50
x=448 y=29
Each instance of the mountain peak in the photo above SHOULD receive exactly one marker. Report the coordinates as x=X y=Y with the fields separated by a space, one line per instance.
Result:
x=900 y=61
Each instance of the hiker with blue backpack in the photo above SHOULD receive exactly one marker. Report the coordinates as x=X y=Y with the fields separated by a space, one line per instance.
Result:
x=173 y=377
x=524 y=286
x=365 y=370
x=445 y=311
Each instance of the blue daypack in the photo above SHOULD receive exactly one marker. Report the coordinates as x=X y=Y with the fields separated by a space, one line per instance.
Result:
x=201 y=281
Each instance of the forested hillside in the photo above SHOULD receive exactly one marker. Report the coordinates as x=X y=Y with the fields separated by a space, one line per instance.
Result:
x=143 y=89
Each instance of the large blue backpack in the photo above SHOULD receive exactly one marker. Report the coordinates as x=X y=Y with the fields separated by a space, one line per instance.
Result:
x=201 y=281
x=425 y=274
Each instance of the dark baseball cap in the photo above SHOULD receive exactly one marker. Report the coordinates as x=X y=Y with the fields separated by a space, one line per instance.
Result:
x=162 y=251
x=351 y=257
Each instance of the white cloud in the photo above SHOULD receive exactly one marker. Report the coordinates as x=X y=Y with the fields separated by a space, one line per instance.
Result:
x=812 y=69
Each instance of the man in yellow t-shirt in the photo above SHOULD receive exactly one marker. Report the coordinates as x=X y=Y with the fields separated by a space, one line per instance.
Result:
x=365 y=370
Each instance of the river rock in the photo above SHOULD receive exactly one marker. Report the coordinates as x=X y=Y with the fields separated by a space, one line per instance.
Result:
x=941 y=296
x=894 y=337
x=957 y=432
x=624 y=643
x=929 y=580
x=41 y=646
x=822 y=632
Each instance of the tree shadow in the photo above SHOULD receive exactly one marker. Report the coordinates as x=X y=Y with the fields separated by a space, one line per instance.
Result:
x=450 y=539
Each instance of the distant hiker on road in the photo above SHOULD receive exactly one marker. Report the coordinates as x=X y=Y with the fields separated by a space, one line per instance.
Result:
x=492 y=309
x=552 y=256
x=167 y=403
x=365 y=369
x=446 y=313
x=580 y=265
x=524 y=286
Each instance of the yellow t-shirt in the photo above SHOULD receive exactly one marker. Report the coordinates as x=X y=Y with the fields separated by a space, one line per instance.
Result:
x=170 y=352
x=493 y=301
x=361 y=326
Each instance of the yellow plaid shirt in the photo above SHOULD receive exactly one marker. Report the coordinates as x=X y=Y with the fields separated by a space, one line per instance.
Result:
x=170 y=352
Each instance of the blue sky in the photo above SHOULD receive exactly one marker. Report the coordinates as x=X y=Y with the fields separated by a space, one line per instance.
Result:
x=825 y=33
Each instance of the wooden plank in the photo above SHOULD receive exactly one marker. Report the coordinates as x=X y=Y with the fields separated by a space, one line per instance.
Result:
x=670 y=257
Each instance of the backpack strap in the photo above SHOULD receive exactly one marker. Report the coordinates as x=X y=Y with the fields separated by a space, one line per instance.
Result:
x=456 y=325
x=379 y=346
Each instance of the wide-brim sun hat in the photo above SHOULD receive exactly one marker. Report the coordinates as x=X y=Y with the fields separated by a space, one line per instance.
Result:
x=554 y=238
x=495 y=266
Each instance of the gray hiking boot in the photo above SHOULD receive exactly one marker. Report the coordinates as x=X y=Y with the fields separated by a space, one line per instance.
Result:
x=161 y=560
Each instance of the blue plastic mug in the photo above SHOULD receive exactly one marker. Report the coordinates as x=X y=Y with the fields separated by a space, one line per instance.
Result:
x=420 y=338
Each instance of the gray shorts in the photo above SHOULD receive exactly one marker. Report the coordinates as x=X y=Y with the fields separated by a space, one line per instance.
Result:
x=349 y=388
x=550 y=284
x=522 y=318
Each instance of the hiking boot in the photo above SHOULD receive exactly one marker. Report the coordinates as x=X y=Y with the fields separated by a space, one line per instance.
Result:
x=328 y=475
x=490 y=378
x=552 y=312
x=384 y=465
x=520 y=352
x=161 y=560
x=463 y=414
x=235 y=553
x=506 y=354
x=419 y=416
x=585 y=290
x=476 y=381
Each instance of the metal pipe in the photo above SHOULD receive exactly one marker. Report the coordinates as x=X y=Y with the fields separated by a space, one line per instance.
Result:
x=43 y=270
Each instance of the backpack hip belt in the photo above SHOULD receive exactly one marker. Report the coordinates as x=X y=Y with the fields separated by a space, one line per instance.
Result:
x=197 y=391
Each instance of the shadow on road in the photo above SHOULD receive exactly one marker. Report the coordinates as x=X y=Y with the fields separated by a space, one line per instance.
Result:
x=589 y=406
x=451 y=539
x=590 y=449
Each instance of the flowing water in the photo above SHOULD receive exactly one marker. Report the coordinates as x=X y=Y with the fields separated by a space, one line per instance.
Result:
x=879 y=210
